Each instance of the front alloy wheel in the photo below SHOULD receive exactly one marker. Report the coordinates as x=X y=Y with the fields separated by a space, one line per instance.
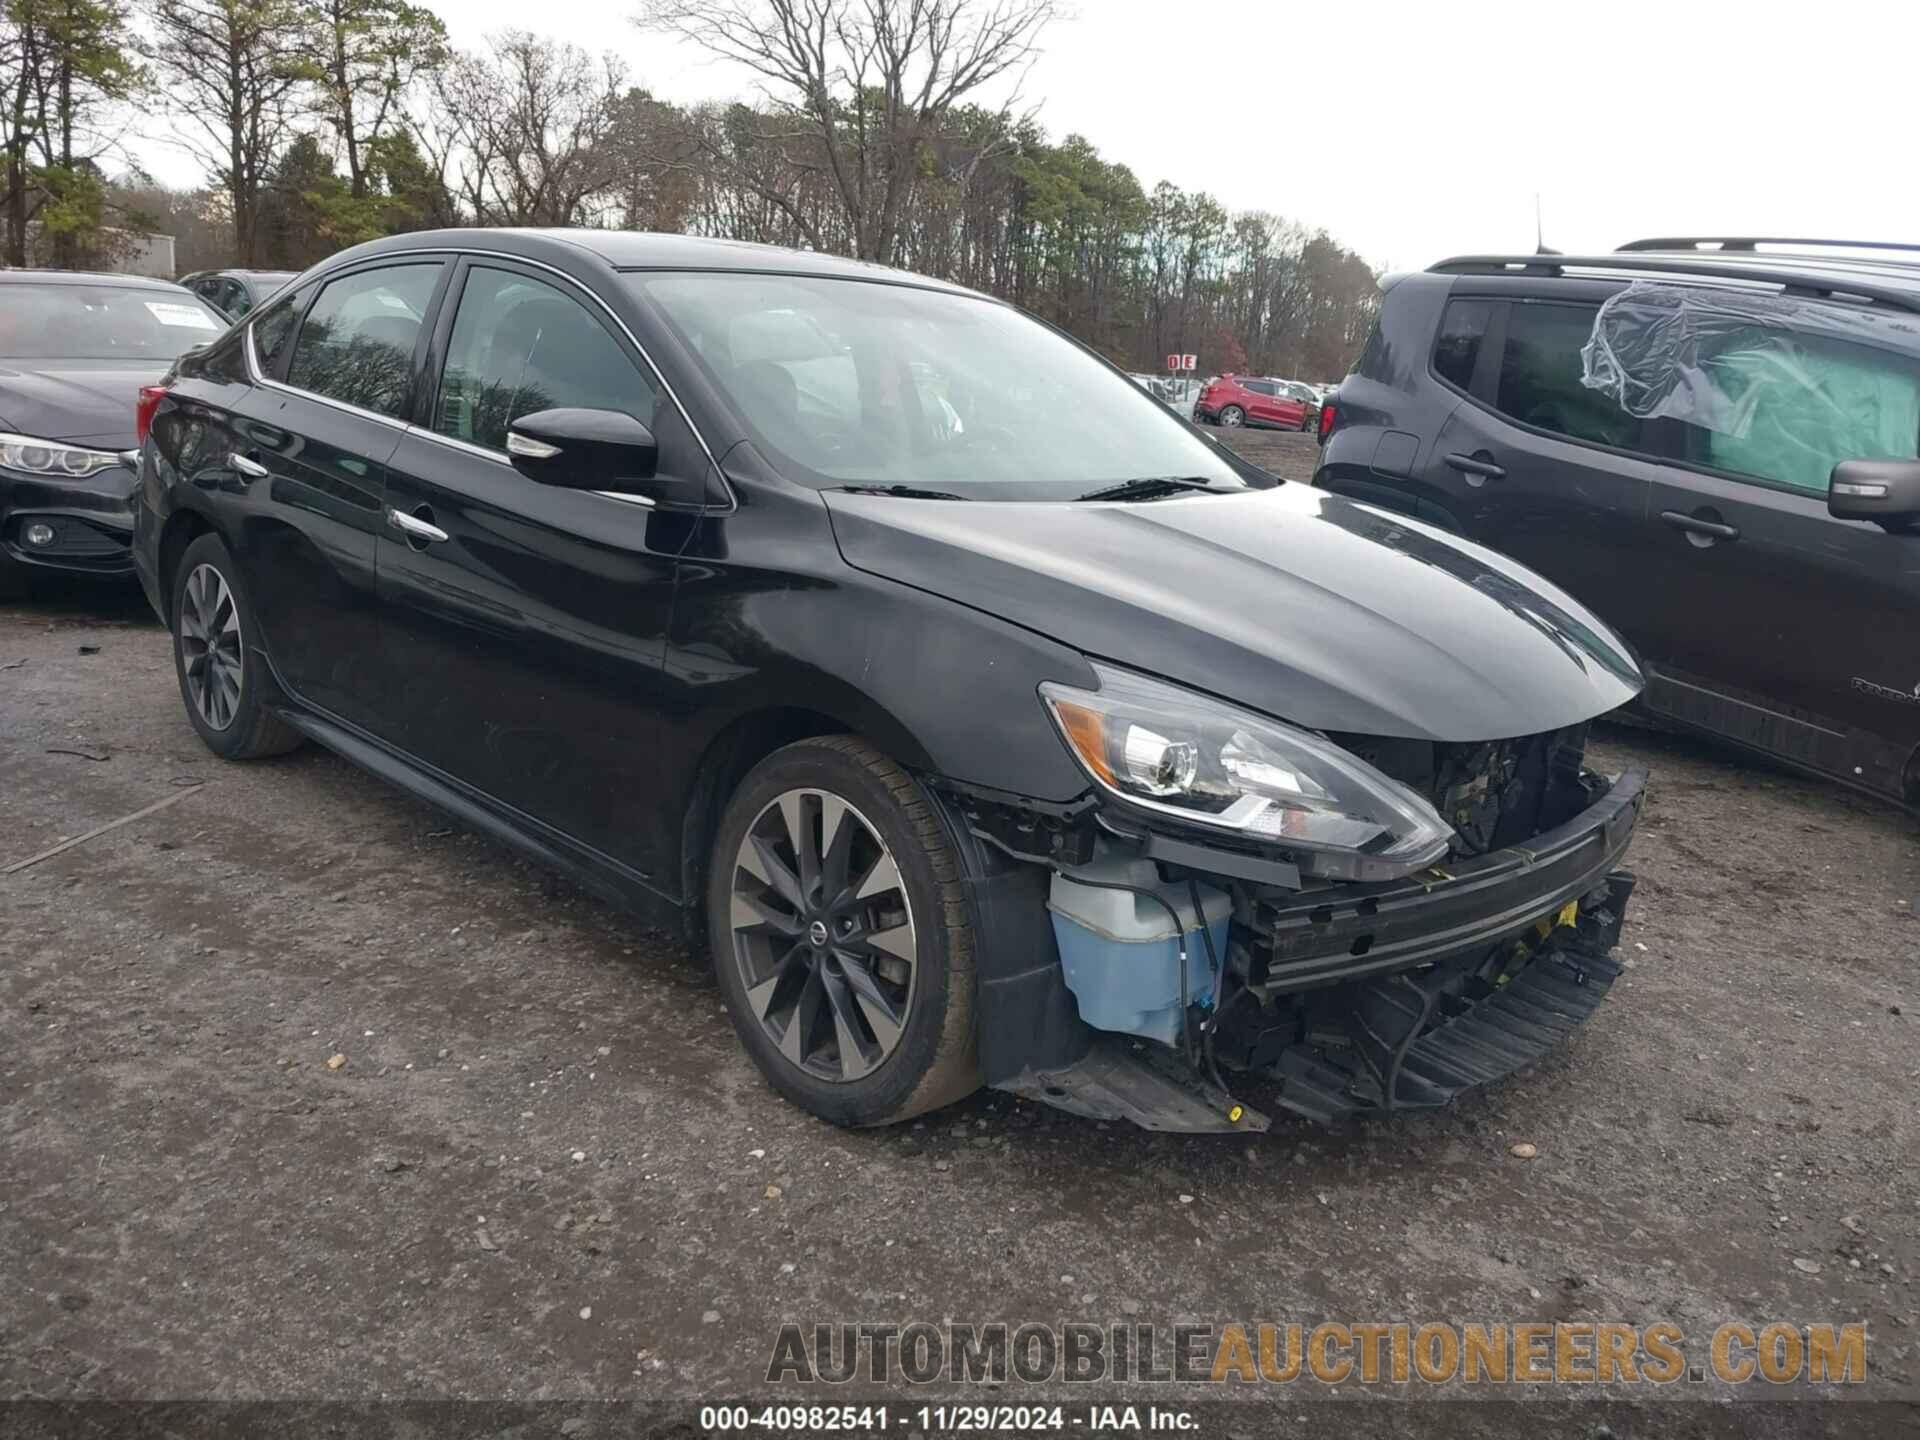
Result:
x=823 y=935
x=842 y=934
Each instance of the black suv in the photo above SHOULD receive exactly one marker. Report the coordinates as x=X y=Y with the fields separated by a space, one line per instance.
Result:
x=1710 y=442
x=991 y=722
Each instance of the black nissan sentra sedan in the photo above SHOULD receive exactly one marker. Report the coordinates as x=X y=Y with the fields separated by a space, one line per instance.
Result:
x=993 y=725
x=74 y=350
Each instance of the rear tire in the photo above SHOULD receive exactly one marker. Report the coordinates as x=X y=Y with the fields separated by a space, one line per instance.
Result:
x=841 y=935
x=216 y=657
x=1233 y=417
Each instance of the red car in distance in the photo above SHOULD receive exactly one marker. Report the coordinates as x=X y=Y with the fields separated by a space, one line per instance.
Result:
x=1234 y=400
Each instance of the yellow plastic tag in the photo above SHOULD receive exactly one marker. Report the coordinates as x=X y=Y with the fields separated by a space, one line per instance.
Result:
x=1569 y=913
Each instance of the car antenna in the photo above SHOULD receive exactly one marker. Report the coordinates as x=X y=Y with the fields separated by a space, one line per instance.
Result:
x=1540 y=246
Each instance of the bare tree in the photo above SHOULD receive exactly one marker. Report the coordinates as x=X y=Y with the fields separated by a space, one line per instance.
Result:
x=868 y=82
x=525 y=127
x=235 y=69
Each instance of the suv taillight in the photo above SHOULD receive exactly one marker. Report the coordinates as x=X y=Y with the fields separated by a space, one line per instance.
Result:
x=143 y=408
x=1329 y=417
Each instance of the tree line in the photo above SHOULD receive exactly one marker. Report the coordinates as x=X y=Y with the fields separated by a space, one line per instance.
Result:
x=890 y=130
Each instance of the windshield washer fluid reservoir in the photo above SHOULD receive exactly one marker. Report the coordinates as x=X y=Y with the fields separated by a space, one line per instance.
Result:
x=1121 y=952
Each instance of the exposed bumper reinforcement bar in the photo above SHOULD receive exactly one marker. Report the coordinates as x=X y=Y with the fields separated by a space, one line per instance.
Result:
x=1358 y=931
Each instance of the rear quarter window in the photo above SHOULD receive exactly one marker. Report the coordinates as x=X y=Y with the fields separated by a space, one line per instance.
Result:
x=1456 y=348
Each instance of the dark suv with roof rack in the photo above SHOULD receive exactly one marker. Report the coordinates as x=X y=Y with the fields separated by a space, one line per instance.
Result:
x=1711 y=442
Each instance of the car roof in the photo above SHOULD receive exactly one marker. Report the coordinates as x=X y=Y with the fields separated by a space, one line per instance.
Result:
x=1844 y=271
x=648 y=250
x=111 y=279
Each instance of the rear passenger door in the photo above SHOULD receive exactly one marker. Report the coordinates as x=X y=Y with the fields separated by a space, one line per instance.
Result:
x=310 y=445
x=1537 y=466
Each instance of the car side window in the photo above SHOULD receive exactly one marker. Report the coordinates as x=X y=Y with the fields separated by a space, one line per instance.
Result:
x=1456 y=349
x=1540 y=377
x=273 y=329
x=1794 y=406
x=357 y=342
x=1259 y=387
x=520 y=345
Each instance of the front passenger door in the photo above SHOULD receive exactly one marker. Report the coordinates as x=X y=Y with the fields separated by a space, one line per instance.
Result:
x=1791 y=628
x=525 y=624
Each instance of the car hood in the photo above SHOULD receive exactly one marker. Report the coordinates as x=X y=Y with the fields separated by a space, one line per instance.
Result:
x=1300 y=604
x=87 y=402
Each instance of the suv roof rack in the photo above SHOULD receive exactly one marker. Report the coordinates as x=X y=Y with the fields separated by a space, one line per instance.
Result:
x=1750 y=244
x=1894 y=288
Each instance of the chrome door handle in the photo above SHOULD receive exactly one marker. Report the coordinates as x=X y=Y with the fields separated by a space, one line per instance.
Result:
x=241 y=465
x=414 y=529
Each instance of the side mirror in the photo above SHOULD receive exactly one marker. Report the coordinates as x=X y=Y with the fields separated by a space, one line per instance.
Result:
x=1886 y=492
x=588 y=450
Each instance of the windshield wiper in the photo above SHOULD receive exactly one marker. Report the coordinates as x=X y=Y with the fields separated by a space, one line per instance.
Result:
x=1142 y=489
x=901 y=492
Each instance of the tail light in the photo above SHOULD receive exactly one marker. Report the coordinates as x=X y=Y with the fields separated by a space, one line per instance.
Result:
x=143 y=408
x=1329 y=417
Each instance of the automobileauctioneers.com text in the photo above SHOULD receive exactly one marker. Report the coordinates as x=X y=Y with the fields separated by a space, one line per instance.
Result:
x=1268 y=1353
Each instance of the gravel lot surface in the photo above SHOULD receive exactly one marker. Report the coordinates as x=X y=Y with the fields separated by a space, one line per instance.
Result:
x=543 y=1169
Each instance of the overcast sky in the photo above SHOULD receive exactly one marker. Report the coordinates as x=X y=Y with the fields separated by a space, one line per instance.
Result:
x=1416 y=131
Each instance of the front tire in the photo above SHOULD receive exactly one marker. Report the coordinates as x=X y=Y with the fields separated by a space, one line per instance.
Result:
x=216 y=657
x=841 y=935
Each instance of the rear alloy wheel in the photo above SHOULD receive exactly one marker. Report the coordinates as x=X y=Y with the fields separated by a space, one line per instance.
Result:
x=1233 y=416
x=211 y=664
x=215 y=656
x=832 y=913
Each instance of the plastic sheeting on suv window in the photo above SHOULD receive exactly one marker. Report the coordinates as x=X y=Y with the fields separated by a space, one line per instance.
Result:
x=1770 y=386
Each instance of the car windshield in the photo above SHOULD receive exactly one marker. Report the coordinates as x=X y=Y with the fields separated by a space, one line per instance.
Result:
x=59 y=321
x=858 y=383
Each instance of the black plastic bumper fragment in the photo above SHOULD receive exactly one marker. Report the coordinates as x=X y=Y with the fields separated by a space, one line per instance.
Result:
x=1415 y=1040
x=1118 y=1079
x=1028 y=1019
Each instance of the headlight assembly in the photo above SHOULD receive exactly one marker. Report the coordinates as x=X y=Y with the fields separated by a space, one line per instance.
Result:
x=53 y=459
x=1185 y=755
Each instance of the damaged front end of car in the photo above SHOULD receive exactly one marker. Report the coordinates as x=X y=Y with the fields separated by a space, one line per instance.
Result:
x=1328 y=924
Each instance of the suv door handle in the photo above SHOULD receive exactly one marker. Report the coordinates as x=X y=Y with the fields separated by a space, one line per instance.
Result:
x=1694 y=525
x=241 y=465
x=1474 y=465
x=415 y=529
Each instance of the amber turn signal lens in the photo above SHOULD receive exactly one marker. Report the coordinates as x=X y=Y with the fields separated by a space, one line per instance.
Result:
x=1087 y=733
